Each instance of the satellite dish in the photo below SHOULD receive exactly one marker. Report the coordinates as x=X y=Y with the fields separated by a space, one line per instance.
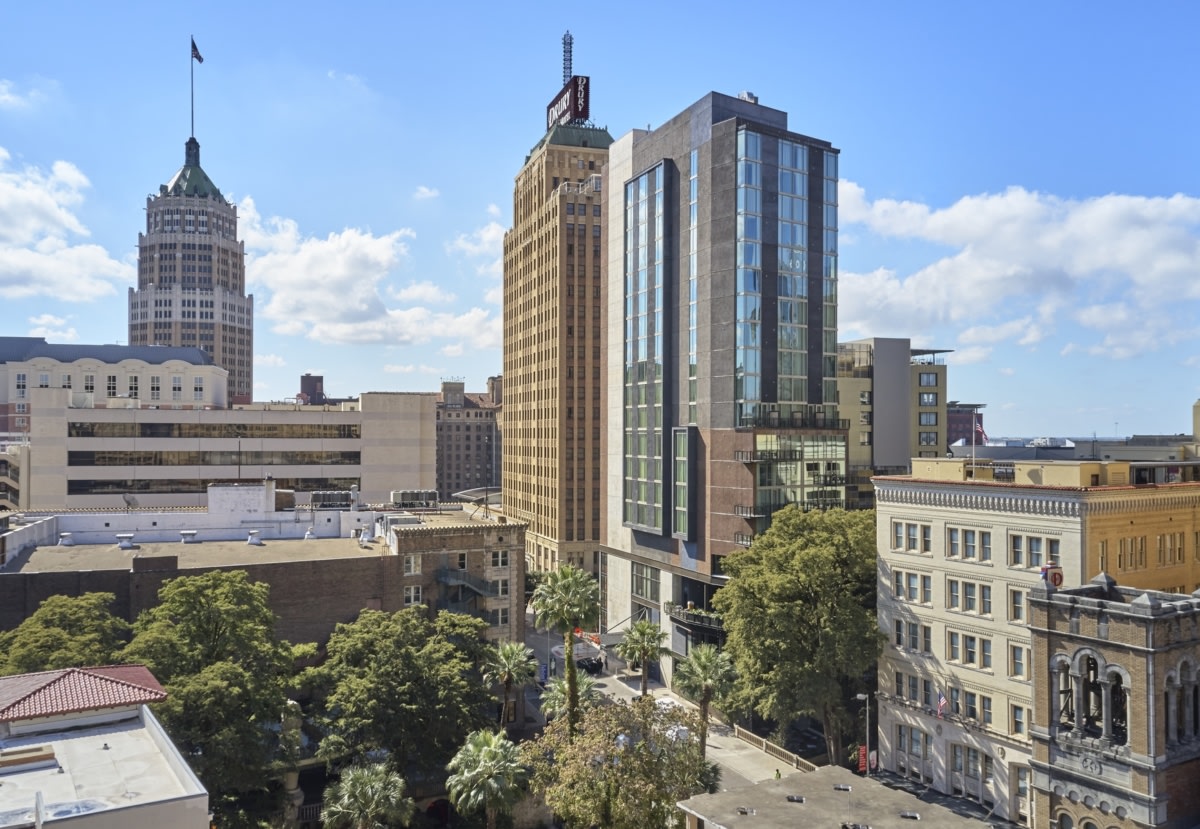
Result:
x=130 y=500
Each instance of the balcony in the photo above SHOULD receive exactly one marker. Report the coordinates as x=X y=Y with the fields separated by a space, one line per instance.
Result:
x=796 y=420
x=749 y=512
x=695 y=617
x=454 y=577
x=830 y=480
x=767 y=455
x=743 y=539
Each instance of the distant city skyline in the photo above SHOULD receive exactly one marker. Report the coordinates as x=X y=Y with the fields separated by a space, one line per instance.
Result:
x=1018 y=183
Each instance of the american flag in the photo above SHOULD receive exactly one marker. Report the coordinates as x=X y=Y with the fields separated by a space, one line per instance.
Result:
x=941 y=704
x=196 y=52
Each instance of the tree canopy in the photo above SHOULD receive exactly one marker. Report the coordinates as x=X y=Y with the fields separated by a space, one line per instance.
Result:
x=643 y=644
x=487 y=776
x=799 y=614
x=64 y=632
x=626 y=768
x=707 y=674
x=404 y=684
x=509 y=665
x=567 y=598
x=367 y=797
x=211 y=642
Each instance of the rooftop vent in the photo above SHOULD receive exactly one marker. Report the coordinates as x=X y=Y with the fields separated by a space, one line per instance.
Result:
x=64 y=540
x=910 y=815
x=795 y=798
x=125 y=541
x=254 y=540
x=26 y=758
x=748 y=96
x=745 y=810
x=843 y=787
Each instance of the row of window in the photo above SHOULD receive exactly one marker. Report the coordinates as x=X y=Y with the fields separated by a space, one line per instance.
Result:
x=976 y=545
x=961 y=595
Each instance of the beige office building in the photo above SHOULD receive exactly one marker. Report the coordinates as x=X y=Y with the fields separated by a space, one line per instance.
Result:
x=192 y=276
x=961 y=545
x=893 y=397
x=554 y=306
x=80 y=456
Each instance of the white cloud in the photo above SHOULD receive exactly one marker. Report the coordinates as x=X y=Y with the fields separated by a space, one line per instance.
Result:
x=346 y=78
x=493 y=210
x=54 y=329
x=332 y=290
x=422 y=193
x=971 y=354
x=1007 y=372
x=269 y=361
x=422 y=292
x=454 y=350
x=11 y=98
x=38 y=255
x=485 y=247
x=410 y=369
x=1042 y=259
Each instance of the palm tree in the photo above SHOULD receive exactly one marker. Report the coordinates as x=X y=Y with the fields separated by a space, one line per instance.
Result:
x=707 y=675
x=510 y=664
x=643 y=642
x=487 y=775
x=367 y=797
x=554 y=698
x=566 y=599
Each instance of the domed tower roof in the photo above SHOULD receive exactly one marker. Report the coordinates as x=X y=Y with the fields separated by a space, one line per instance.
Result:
x=191 y=180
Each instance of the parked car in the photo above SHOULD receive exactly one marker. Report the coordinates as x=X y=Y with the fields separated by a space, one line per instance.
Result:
x=591 y=664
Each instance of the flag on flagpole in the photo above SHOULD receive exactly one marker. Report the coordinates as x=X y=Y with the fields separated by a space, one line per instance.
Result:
x=196 y=52
x=982 y=435
x=941 y=704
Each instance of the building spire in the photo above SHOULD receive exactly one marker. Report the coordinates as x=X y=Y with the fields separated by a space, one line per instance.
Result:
x=191 y=153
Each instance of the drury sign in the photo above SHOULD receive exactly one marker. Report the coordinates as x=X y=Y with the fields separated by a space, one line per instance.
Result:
x=571 y=104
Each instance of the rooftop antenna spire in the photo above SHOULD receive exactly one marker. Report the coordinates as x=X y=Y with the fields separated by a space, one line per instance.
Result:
x=568 y=46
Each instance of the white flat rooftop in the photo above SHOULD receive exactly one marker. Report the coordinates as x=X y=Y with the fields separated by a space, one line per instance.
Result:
x=113 y=765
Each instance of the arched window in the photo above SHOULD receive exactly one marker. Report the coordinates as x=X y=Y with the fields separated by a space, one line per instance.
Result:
x=1093 y=699
x=1065 y=821
x=1120 y=710
x=1087 y=824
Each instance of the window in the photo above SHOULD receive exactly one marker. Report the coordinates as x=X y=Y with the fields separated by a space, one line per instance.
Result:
x=897 y=535
x=972 y=702
x=928 y=438
x=985 y=599
x=1035 y=551
x=985 y=653
x=927 y=693
x=954 y=648
x=176 y=387
x=955 y=701
x=412 y=565
x=899 y=684
x=928 y=419
x=111 y=385
x=899 y=633
x=500 y=587
x=412 y=594
x=970 y=649
x=1016 y=553
x=928 y=398
x=645 y=581
x=1016 y=606
x=968 y=544
x=912 y=687
x=66 y=381
x=926 y=538
x=913 y=642
x=912 y=586
x=1023 y=788
x=926 y=639
x=985 y=546
x=498 y=617
x=952 y=543
x=1016 y=661
x=43 y=380
x=985 y=704
x=499 y=558
x=928 y=378
x=926 y=589
x=89 y=383
x=155 y=387
x=969 y=603
x=953 y=594
x=911 y=530
x=22 y=384
x=134 y=386
x=1018 y=720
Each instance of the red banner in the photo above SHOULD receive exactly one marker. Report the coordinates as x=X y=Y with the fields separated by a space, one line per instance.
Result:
x=862 y=759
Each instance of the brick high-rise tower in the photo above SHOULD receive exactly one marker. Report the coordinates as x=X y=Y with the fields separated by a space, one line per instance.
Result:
x=192 y=276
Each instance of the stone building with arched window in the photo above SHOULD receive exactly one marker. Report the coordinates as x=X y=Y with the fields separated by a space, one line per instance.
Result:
x=1116 y=709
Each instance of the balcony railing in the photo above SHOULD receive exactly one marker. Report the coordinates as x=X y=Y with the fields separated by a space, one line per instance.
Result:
x=795 y=420
x=830 y=480
x=695 y=618
x=453 y=576
x=767 y=455
x=744 y=539
x=749 y=512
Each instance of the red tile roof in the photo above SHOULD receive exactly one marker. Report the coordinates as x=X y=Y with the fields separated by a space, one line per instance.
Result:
x=66 y=691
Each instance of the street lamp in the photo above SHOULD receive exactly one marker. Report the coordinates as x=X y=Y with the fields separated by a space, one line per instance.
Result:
x=867 y=699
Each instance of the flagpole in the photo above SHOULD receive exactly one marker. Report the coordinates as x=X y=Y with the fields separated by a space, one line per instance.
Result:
x=192 y=78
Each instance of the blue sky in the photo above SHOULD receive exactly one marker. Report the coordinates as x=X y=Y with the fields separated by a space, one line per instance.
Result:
x=1020 y=181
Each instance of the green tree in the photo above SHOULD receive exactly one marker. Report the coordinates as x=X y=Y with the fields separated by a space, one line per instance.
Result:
x=643 y=644
x=367 y=797
x=211 y=642
x=707 y=675
x=487 y=776
x=554 y=698
x=402 y=683
x=799 y=614
x=626 y=768
x=64 y=632
x=511 y=665
x=567 y=598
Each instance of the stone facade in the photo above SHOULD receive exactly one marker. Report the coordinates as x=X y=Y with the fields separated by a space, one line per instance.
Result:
x=1116 y=707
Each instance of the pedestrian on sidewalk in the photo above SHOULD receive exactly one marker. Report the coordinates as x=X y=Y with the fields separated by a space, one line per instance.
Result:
x=777 y=774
